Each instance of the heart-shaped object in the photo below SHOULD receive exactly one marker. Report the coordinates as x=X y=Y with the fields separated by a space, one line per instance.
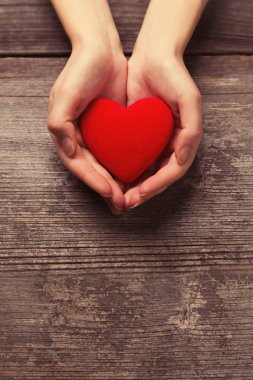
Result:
x=127 y=140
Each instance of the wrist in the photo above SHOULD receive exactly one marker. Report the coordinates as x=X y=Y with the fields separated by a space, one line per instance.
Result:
x=100 y=54
x=150 y=44
x=101 y=40
x=88 y=23
x=147 y=54
x=168 y=26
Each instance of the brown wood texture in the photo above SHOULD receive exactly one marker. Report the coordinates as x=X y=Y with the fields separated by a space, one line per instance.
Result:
x=161 y=292
x=31 y=27
x=77 y=325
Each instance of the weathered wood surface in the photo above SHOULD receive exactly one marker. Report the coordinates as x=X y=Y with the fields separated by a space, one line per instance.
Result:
x=76 y=325
x=31 y=27
x=161 y=292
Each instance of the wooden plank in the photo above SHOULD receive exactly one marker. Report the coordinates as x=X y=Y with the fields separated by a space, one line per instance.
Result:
x=126 y=325
x=31 y=27
x=214 y=75
x=203 y=220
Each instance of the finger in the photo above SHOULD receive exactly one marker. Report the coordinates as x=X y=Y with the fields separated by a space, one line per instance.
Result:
x=91 y=177
x=190 y=108
x=157 y=183
x=60 y=124
x=113 y=209
x=121 y=184
x=133 y=191
x=164 y=177
x=137 y=200
x=117 y=200
x=82 y=169
x=79 y=137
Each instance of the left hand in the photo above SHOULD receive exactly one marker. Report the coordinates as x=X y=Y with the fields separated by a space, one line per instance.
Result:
x=168 y=79
x=89 y=73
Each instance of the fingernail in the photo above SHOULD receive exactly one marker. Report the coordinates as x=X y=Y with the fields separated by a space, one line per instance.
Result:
x=184 y=155
x=114 y=210
x=143 y=195
x=117 y=208
x=67 y=146
x=136 y=204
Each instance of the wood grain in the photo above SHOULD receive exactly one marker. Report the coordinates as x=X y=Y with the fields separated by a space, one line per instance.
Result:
x=226 y=27
x=126 y=325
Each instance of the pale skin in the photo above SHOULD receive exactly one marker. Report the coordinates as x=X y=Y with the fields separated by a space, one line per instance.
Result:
x=97 y=68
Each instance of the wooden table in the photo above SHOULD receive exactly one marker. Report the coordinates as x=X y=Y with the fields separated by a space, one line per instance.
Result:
x=164 y=291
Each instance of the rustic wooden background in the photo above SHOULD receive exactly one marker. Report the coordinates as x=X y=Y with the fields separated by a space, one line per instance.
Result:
x=163 y=291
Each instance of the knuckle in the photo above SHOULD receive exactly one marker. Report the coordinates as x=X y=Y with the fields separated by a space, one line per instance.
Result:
x=54 y=125
x=197 y=133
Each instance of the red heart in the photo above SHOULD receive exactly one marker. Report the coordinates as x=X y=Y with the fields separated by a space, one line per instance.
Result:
x=127 y=140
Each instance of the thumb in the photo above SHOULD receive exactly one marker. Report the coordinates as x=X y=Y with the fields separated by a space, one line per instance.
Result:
x=191 y=123
x=61 y=127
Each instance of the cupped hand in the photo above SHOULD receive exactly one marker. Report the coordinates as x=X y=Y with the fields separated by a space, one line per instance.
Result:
x=169 y=80
x=88 y=74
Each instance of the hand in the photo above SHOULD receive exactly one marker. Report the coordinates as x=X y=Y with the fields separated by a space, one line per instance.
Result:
x=89 y=73
x=156 y=68
x=168 y=79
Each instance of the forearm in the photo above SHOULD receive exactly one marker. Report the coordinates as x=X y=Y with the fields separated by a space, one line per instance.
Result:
x=169 y=24
x=87 y=22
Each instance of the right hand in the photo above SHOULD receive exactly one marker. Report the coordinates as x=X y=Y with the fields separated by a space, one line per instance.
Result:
x=88 y=74
x=166 y=77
